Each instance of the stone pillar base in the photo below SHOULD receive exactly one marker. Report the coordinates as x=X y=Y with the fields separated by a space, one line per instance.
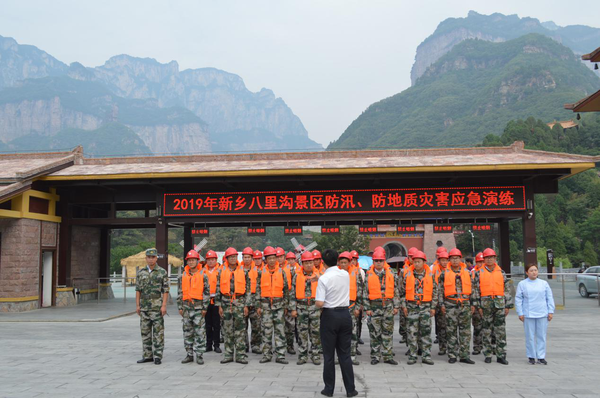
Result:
x=105 y=291
x=19 y=305
x=65 y=297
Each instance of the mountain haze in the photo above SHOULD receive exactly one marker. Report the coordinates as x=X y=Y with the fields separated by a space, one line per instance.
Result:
x=472 y=91
x=498 y=28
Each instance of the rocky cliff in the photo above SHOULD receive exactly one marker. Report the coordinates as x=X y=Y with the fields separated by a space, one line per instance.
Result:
x=497 y=28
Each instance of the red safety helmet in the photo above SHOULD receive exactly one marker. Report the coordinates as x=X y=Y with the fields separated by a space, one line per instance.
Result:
x=230 y=252
x=257 y=254
x=379 y=255
x=354 y=254
x=290 y=256
x=443 y=254
x=269 y=251
x=455 y=252
x=412 y=251
x=307 y=256
x=316 y=254
x=346 y=255
x=419 y=254
x=192 y=254
x=300 y=248
x=248 y=250
x=279 y=252
x=489 y=253
x=211 y=254
x=479 y=257
x=440 y=249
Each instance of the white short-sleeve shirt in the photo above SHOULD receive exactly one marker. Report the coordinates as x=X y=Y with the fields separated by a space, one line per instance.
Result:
x=334 y=288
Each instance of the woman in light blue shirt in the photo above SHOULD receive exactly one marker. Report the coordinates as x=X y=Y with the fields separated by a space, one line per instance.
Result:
x=535 y=307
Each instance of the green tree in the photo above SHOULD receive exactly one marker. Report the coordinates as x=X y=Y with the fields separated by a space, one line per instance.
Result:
x=348 y=239
x=589 y=254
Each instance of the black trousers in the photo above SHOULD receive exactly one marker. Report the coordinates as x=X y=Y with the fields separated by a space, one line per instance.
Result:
x=213 y=326
x=336 y=337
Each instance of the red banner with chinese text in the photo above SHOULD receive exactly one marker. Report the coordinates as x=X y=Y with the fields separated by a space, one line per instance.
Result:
x=345 y=201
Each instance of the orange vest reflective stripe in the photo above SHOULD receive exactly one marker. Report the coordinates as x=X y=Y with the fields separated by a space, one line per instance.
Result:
x=239 y=280
x=426 y=282
x=301 y=286
x=450 y=282
x=353 y=284
x=212 y=278
x=192 y=286
x=253 y=275
x=271 y=284
x=375 y=286
x=491 y=283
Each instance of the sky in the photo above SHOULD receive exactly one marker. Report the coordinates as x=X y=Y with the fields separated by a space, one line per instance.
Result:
x=328 y=60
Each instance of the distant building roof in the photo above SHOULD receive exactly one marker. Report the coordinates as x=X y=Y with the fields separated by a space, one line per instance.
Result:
x=565 y=124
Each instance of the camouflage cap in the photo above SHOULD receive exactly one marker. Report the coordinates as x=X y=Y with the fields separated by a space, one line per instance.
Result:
x=152 y=252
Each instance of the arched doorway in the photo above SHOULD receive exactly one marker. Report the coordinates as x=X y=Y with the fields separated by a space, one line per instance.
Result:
x=395 y=249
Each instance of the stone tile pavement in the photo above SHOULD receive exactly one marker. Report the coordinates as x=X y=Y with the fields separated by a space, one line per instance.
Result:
x=84 y=359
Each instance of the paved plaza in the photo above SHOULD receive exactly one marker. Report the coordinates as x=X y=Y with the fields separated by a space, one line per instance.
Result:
x=61 y=358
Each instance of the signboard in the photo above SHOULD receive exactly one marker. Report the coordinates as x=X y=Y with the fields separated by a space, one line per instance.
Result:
x=200 y=231
x=367 y=229
x=442 y=228
x=292 y=230
x=483 y=227
x=257 y=231
x=406 y=228
x=330 y=230
x=345 y=201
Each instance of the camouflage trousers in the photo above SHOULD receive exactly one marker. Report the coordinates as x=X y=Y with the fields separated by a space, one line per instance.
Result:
x=458 y=321
x=309 y=321
x=273 y=329
x=152 y=326
x=290 y=330
x=381 y=331
x=441 y=329
x=354 y=339
x=194 y=331
x=477 y=331
x=494 y=327
x=234 y=330
x=253 y=321
x=402 y=326
x=418 y=330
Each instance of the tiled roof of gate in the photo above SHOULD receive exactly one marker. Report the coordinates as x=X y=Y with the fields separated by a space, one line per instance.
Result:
x=372 y=161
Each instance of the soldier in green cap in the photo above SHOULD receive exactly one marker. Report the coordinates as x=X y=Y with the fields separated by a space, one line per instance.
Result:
x=151 y=296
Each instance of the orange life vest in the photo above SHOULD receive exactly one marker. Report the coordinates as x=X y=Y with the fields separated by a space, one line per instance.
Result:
x=289 y=276
x=375 y=286
x=450 y=282
x=212 y=278
x=491 y=283
x=271 y=283
x=253 y=275
x=239 y=280
x=301 y=286
x=353 y=273
x=426 y=282
x=192 y=285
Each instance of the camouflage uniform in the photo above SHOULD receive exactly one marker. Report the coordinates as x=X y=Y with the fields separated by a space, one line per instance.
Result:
x=477 y=322
x=493 y=318
x=309 y=320
x=356 y=305
x=152 y=285
x=234 y=329
x=401 y=318
x=457 y=318
x=381 y=323
x=272 y=317
x=418 y=321
x=194 y=326
x=290 y=324
x=440 y=319
x=252 y=321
